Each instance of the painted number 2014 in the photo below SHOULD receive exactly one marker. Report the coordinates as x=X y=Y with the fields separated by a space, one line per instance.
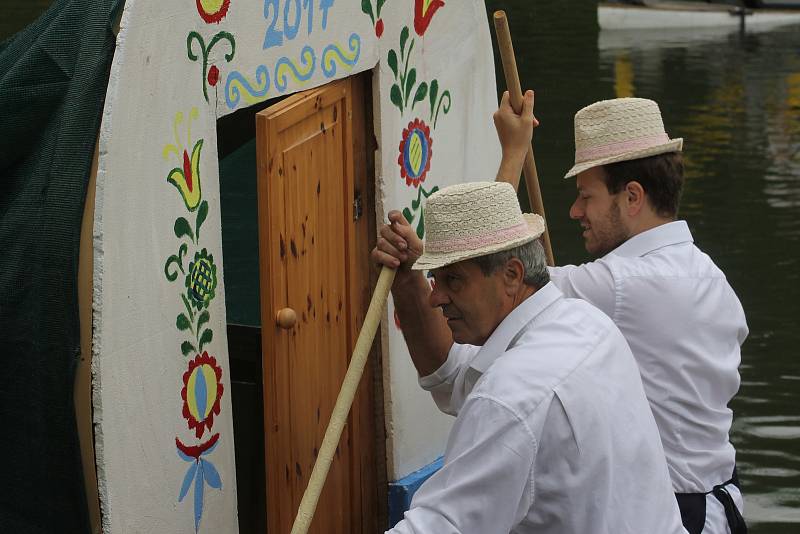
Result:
x=292 y=17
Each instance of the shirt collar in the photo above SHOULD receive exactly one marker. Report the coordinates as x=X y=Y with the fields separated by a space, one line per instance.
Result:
x=507 y=332
x=661 y=236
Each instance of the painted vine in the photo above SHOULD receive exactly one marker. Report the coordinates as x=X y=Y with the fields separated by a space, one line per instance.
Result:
x=194 y=266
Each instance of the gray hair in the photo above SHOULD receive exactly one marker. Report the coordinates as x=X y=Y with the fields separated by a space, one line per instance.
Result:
x=533 y=259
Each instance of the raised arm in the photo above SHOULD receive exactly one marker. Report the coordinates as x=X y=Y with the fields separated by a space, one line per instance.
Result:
x=514 y=132
x=424 y=327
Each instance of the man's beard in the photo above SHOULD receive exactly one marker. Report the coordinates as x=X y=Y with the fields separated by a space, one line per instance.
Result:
x=613 y=233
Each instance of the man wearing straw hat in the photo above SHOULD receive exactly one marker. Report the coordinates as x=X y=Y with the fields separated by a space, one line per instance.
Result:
x=553 y=433
x=680 y=316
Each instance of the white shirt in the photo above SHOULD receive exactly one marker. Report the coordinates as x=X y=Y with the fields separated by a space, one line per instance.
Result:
x=553 y=432
x=685 y=327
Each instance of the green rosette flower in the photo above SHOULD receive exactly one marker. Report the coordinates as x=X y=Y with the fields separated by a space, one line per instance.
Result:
x=201 y=279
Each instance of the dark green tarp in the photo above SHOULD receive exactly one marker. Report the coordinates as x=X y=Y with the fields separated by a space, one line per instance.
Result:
x=53 y=78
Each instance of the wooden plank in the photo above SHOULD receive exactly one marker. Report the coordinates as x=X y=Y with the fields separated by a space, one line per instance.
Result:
x=273 y=297
x=83 y=374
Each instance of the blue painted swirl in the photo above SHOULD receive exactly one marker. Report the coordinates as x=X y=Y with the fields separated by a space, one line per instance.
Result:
x=285 y=68
x=236 y=83
x=333 y=54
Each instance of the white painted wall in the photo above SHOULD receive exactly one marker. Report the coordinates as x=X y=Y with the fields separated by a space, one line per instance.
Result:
x=162 y=100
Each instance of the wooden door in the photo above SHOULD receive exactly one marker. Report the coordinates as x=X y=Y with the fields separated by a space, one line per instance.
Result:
x=314 y=259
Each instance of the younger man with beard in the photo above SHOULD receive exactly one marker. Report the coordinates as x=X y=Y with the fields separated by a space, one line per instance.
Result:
x=677 y=311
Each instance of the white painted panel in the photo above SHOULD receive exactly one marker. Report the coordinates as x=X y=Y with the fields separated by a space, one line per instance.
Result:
x=177 y=68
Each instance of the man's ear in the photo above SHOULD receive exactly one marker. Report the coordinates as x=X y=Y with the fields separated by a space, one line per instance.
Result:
x=513 y=275
x=634 y=198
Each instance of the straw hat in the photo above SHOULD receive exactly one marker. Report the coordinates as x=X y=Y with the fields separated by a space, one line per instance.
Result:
x=474 y=219
x=619 y=130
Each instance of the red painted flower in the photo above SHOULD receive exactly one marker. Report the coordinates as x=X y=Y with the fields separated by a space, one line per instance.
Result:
x=379 y=28
x=201 y=393
x=213 y=75
x=423 y=12
x=213 y=10
x=415 y=152
x=196 y=451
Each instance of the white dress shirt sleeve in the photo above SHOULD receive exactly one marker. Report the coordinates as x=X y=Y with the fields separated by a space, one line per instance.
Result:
x=593 y=282
x=446 y=383
x=485 y=485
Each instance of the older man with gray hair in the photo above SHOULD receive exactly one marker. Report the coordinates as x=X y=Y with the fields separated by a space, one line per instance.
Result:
x=553 y=433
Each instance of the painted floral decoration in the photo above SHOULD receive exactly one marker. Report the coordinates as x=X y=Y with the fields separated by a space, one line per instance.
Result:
x=187 y=179
x=374 y=14
x=201 y=393
x=213 y=10
x=415 y=152
x=201 y=280
x=201 y=472
x=423 y=12
x=213 y=75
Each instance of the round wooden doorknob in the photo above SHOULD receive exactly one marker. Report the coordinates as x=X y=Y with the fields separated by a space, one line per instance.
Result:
x=286 y=318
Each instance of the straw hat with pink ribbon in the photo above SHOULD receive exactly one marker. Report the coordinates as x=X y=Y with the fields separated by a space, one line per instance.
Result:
x=474 y=219
x=616 y=130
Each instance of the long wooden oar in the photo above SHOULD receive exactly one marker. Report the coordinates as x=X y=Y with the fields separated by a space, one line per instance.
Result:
x=344 y=401
x=515 y=92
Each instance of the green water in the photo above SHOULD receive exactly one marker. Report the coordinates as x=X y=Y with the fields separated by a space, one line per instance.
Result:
x=735 y=99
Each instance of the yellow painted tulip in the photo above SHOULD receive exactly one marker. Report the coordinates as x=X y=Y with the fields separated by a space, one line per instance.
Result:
x=187 y=180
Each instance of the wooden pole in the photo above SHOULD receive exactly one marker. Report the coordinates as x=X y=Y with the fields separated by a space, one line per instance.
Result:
x=344 y=401
x=515 y=92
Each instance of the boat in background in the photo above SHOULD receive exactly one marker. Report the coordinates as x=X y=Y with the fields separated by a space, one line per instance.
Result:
x=681 y=14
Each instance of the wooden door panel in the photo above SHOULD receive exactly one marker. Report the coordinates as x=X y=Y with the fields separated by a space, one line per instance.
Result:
x=317 y=348
x=307 y=235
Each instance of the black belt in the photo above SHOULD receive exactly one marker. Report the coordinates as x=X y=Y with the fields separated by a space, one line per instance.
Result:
x=693 y=508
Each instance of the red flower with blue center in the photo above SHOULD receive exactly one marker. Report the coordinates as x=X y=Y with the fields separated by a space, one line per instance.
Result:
x=415 y=152
x=201 y=393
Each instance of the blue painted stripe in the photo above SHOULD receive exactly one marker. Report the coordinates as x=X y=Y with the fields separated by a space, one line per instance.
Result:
x=402 y=491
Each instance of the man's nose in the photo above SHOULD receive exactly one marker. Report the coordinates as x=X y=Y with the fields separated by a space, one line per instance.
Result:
x=576 y=210
x=438 y=297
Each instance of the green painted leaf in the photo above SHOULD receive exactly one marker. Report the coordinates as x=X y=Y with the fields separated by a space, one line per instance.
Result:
x=403 y=39
x=188 y=306
x=408 y=215
x=421 y=226
x=182 y=228
x=173 y=275
x=206 y=337
x=202 y=213
x=432 y=94
x=182 y=322
x=187 y=348
x=379 y=6
x=181 y=253
x=446 y=107
x=392 y=61
x=419 y=96
x=203 y=319
x=416 y=203
x=410 y=81
x=396 y=97
x=366 y=7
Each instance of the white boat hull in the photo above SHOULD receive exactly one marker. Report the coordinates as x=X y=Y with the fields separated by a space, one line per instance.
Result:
x=617 y=17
